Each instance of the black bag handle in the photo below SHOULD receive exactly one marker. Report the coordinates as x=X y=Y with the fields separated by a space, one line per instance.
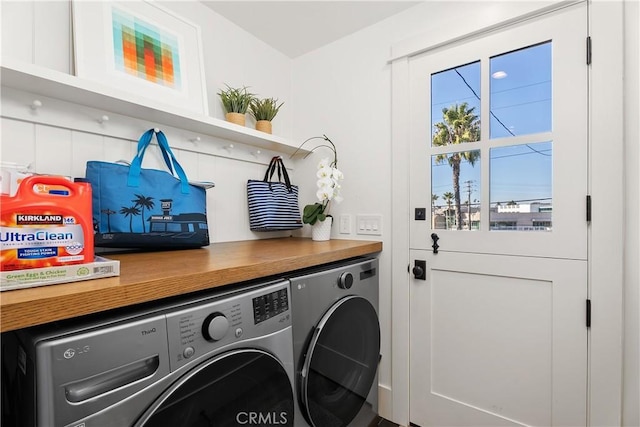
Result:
x=277 y=164
x=270 y=169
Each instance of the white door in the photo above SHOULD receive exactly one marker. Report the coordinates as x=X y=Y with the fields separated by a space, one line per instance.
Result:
x=499 y=191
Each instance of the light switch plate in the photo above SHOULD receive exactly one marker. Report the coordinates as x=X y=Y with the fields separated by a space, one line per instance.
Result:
x=369 y=224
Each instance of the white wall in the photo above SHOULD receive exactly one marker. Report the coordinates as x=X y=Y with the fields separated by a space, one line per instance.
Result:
x=39 y=32
x=344 y=90
x=631 y=377
x=59 y=138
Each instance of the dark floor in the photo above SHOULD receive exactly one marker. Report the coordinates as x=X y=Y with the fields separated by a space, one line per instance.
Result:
x=368 y=418
x=381 y=422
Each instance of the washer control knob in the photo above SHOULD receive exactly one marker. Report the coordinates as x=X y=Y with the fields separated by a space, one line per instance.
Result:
x=215 y=327
x=346 y=280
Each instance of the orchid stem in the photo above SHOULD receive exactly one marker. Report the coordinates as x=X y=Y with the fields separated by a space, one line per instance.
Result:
x=333 y=148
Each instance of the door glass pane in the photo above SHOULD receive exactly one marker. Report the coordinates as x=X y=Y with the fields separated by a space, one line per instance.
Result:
x=455 y=190
x=520 y=187
x=520 y=96
x=455 y=96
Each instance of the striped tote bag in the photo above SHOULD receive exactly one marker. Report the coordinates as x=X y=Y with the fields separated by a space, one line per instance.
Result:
x=273 y=205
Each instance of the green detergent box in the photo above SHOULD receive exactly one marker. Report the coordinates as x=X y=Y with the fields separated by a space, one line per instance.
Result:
x=32 y=277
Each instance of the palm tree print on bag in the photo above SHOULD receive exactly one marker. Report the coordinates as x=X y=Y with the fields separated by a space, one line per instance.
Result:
x=130 y=212
x=143 y=202
x=460 y=125
x=108 y=212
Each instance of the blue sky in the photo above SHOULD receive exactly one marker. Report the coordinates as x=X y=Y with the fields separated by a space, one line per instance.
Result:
x=520 y=103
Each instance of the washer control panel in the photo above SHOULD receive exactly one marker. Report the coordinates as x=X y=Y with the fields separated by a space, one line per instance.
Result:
x=207 y=325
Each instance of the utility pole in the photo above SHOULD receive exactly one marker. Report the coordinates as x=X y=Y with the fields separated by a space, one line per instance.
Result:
x=468 y=188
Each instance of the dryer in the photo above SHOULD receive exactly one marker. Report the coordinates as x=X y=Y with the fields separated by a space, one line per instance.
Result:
x=223 y=360
x=336 y=342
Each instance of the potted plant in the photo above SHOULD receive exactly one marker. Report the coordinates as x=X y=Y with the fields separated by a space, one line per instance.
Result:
x=329 y=177
x=236 y=102
x=264 y=110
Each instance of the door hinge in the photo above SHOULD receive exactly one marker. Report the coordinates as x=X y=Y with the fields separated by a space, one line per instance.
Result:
x=588 y=208
x=588 y=313
x=589 y=50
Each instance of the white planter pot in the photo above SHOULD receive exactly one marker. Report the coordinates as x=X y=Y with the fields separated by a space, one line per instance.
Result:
x=321 y=230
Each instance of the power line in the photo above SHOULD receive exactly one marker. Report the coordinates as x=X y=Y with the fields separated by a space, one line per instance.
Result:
x=477 y=96
x=466 y=83
x=521 y=154
x=492 y=113
x=522 y=86
x=522 y=103
x=451 y=101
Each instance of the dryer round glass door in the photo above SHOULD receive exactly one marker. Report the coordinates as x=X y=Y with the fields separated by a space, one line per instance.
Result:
x=243 y=387
x=341 y=363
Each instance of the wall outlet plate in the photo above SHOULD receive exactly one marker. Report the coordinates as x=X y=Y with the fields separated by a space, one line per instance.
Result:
x=345 y=224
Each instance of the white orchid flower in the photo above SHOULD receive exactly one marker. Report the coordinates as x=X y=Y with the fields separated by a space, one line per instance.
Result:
x=324 y=163
x=324 y=173
x=324 y=193
x=326 y=182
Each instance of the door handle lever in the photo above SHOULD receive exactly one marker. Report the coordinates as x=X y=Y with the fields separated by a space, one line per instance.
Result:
x=435 y=246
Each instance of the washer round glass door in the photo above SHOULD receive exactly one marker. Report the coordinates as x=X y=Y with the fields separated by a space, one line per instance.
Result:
x=242 y=387
x=341 y=363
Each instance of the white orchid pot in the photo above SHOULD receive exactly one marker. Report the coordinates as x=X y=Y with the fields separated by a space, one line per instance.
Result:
x=321 y=230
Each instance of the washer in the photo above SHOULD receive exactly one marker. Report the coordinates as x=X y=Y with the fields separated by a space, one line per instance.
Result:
x=336 y=343
x=224 y=360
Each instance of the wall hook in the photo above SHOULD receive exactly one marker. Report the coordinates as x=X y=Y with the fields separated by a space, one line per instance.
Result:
x=256 y=153
x=36 y=104
x=195 y=140
x=103 y=119
x=228 y=147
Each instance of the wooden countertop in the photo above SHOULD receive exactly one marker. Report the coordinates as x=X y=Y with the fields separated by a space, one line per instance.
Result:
x=154 y=275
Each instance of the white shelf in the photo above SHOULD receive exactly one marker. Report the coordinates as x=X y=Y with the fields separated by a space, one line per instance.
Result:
x=54 y=84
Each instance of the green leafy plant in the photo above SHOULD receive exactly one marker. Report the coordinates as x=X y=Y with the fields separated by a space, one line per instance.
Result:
x=264 y=109
x=314 y=213
x=236 y=100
